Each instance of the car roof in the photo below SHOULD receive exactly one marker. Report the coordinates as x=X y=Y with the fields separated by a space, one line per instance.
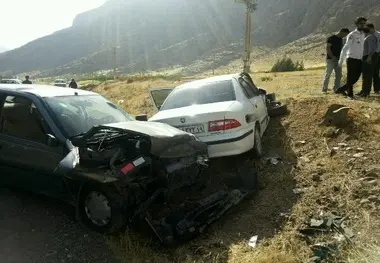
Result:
x=44 y=90
x=10 y=79
x=198 y=83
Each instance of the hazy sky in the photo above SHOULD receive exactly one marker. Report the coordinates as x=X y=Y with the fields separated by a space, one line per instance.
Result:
x=22 y=21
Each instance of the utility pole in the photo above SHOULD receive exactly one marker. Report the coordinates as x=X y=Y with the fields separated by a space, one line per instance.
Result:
x=247 y=42
x=114 y=62
x=213 y=64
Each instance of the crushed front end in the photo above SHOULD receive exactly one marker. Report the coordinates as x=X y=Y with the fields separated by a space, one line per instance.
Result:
x=149 y=164
x=146 y=162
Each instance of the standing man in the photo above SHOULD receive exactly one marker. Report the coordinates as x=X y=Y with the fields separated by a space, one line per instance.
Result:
x=376 y=73
x=334 y=48
x=26 y=81
x=353 y=51
x=73 y=84
x=370 y=58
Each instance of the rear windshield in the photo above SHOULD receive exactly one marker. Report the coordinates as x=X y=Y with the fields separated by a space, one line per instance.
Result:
x=206 y=93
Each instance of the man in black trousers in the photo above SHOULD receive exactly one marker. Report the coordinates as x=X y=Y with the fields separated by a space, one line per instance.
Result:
x=370 y=58
x=353 y=51
x=376 y=73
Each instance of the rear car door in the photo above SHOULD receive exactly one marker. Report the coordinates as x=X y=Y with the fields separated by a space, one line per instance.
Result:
x=159 y=95
x=26 y=159
x=257 y=101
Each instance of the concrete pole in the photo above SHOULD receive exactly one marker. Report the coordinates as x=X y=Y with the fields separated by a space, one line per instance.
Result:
x=114 y=63
x=247 y=42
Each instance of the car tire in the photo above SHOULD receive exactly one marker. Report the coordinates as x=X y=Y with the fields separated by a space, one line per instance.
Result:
x=101 y=209
x=257 y=145
x=277 y=109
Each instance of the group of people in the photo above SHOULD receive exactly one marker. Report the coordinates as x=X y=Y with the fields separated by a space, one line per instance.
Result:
x=362 y=53
x=73 y=84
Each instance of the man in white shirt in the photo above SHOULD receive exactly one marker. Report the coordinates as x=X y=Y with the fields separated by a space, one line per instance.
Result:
x=376 y=73
x=353 y=51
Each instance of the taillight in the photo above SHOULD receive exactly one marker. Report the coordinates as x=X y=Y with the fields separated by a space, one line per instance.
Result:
x=127 y=168
x=222 y=125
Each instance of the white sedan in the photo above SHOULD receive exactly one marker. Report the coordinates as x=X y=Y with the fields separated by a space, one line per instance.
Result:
x=229 y=112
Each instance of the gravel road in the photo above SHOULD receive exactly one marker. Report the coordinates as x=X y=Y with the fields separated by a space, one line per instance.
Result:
x=35 y=229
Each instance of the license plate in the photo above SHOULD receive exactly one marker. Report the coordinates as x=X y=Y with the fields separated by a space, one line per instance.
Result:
x=194 y=129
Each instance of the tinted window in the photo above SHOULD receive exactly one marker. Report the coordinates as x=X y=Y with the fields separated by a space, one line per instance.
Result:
x=160 y=95
x=249 y=88
x=20 y=118
x=78 y=114
x=204 y=94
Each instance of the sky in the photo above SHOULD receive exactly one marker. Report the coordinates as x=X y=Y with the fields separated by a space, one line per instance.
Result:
x=22 y=21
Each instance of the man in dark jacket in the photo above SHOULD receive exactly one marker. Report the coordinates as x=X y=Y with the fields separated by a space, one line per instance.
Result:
x=334 y=48
x=73 y=84
x=26 y=81
x=370 y=58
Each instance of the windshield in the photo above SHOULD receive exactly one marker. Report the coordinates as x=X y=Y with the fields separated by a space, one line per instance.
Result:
x=78 y=114
x=203 y=94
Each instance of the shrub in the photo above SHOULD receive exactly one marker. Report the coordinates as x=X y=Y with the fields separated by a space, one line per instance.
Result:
x=268 y=78
x=287 y=64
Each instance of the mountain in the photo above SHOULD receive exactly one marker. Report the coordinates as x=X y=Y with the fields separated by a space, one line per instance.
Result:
x=164 y=33
x=3 y=49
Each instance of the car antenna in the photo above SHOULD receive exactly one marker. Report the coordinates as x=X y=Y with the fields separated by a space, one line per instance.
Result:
x=76 y=93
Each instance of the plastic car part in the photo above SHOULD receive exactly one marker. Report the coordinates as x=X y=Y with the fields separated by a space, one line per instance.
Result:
x=277 y=109
x=192 y=218
x=271 y=97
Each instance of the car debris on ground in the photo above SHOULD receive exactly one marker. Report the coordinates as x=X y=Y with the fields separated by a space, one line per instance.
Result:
x=323 y=224
x=192 y=218
x=253 y=241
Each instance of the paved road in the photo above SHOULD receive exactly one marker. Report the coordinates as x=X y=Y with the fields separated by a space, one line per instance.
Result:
x=35 y=229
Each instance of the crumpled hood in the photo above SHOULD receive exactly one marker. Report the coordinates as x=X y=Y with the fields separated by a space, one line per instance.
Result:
x=166 y=141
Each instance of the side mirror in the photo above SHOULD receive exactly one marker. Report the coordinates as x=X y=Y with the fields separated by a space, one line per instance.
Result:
x=142 y=117
x=159 y=107
x=51 y=140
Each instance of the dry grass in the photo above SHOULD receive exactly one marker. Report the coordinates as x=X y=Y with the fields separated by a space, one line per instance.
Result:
x=339 y=188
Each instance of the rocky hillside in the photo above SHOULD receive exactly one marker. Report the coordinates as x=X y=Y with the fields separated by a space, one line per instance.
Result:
x=164 y=33
x=3 y=49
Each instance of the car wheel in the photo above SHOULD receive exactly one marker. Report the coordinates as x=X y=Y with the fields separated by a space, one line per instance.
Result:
x=277 y=109
x=257 y=146
x=101 y=210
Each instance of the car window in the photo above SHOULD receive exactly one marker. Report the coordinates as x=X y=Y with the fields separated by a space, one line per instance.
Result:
x=250 y=90
x=78 y=114
x=218 y=91
x=253 y=85
x=20 y=118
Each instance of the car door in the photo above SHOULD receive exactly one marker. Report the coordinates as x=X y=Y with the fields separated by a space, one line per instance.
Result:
x=260 y=99
x=159 y=95
x=27 y=160
x=257 y=103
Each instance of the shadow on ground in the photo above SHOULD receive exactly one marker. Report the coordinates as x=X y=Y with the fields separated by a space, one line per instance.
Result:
x=262 y=214
x=38 y=229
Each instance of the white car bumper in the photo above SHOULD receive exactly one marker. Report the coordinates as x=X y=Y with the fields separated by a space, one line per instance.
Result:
x=231 y=144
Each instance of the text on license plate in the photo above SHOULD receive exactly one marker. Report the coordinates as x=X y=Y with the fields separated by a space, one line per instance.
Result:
x=194 y=129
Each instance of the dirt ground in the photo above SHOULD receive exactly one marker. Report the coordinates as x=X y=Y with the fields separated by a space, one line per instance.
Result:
x=34 y=229
x=40 y=230
x=329 y=182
